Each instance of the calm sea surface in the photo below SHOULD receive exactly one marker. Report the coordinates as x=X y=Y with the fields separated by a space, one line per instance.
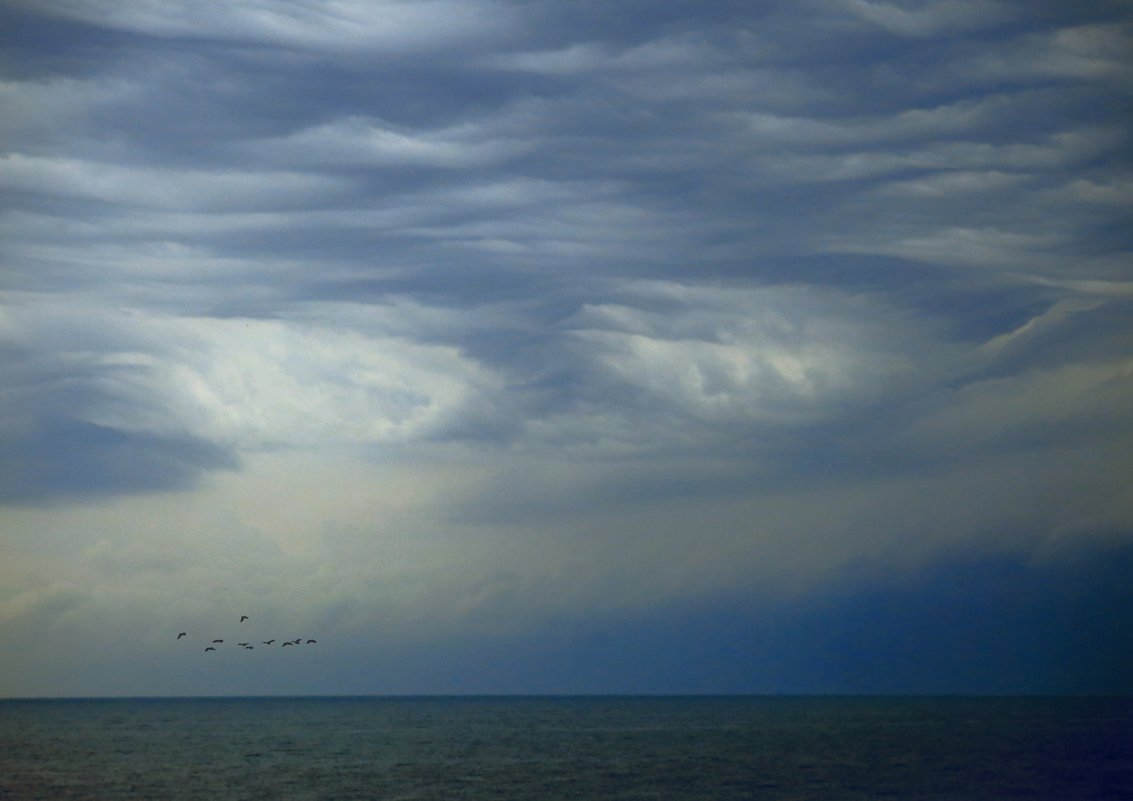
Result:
x=559 y=748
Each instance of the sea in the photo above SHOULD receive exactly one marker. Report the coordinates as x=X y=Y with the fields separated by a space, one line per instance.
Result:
x=537 y=748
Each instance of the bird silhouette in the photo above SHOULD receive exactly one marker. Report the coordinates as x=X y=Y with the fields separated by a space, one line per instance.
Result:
x=243 y=643
x=268 y=642
x=210 y=648
x=286 y=644
x=311 y=641
x=182 y=634
x=249 y=647
x=218 y=640
x=243 y=618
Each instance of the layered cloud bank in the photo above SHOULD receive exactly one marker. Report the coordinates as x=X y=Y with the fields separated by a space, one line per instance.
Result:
x=413 y=322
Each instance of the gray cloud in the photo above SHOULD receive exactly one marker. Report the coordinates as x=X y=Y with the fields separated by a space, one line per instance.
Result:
x=509 y=298
x=80 y=460
x=390 y=26
x=615 y=157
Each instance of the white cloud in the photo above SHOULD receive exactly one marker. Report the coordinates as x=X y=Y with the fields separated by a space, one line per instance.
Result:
x=366 y=142
x=925 y=18
x=989 y=247
x=668 y=53
x=933 y=123
x=1059 y=150
x=164 y=188
x=1084 y=52
x=951 y=184
x=572 y=59
x=1112 y=189
x=257 y=383
x=249 y=383
x=740 y=356
x=325 y=25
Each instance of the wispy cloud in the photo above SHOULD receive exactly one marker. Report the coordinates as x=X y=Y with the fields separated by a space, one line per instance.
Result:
x=325 y=25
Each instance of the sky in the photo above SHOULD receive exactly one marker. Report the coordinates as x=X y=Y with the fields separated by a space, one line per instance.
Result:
x=533 y=346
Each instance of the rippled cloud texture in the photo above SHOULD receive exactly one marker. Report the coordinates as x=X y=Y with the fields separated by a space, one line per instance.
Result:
x=566 y=347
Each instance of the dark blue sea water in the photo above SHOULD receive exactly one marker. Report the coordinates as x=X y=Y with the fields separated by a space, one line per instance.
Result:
x=568 y=748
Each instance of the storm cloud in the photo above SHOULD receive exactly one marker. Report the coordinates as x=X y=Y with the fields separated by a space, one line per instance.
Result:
x=436 y=327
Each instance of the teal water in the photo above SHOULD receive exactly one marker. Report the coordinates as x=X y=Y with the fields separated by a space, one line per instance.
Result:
x=568 y=748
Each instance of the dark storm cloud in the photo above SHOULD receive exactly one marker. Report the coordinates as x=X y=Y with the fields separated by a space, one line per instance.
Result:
x=940 y=159
x=997 y=626
x=567 y=310
x=51 y=443
x=76 y=460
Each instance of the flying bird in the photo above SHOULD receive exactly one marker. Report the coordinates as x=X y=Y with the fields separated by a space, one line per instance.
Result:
x=182 y=634
x=268 y=642
x=243 y=618
x=286 y=644
x=218 y=640
x=311 y=641
x=210 y=648
x=243 y=643
x=249 y=647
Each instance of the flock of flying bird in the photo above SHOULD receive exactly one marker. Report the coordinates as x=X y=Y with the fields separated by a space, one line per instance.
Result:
x=248 y=646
